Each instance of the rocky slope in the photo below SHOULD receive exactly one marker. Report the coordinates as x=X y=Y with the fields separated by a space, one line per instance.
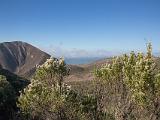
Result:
x=20 y=57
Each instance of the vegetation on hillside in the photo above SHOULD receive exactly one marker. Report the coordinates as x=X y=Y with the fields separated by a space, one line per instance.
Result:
x=133 y=86
x=49 y=98
x=10 y=85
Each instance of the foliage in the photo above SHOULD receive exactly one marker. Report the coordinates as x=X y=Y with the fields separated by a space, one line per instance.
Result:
x=7 y=97
x=18 y=83
x=6 y=91
x=132 y=80
x=10 y=85
x=45 y=94
x=48 y=97
x=126 y=89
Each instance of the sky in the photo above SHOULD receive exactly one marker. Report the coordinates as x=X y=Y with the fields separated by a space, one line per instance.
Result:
x=80 y=28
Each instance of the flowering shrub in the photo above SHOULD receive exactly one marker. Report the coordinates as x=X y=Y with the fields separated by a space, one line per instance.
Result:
x=133 y=80
x=45 y=96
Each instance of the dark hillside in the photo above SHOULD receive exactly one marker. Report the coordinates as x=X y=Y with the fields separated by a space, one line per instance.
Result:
x=20 y=57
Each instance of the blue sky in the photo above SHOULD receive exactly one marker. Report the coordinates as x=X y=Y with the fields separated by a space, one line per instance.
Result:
x=82 y=27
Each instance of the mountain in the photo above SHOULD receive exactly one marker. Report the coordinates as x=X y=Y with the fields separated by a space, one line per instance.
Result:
x=20 y=57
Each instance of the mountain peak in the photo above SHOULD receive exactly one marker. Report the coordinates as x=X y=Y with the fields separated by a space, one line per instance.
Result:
x=14 y=42
x=20 y=57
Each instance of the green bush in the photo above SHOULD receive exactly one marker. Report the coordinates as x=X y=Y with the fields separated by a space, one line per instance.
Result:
x=134 y=85
x=7 y=98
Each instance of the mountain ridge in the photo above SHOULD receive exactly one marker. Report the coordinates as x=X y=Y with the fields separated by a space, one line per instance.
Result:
x=20 y=57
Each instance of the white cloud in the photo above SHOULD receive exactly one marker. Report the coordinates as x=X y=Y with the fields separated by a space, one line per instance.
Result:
x=58 y=51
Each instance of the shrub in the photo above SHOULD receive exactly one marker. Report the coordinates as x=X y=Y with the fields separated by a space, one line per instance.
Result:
x=132 y=81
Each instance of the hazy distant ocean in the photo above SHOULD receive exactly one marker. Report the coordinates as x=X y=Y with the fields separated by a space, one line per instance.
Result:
x=76 y=61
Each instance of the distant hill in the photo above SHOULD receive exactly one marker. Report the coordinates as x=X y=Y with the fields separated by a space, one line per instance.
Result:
x=20 y=57
x=84 y=72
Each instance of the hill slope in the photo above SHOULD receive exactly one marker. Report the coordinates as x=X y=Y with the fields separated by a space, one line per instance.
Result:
x=84 y=72
x=20 y=57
